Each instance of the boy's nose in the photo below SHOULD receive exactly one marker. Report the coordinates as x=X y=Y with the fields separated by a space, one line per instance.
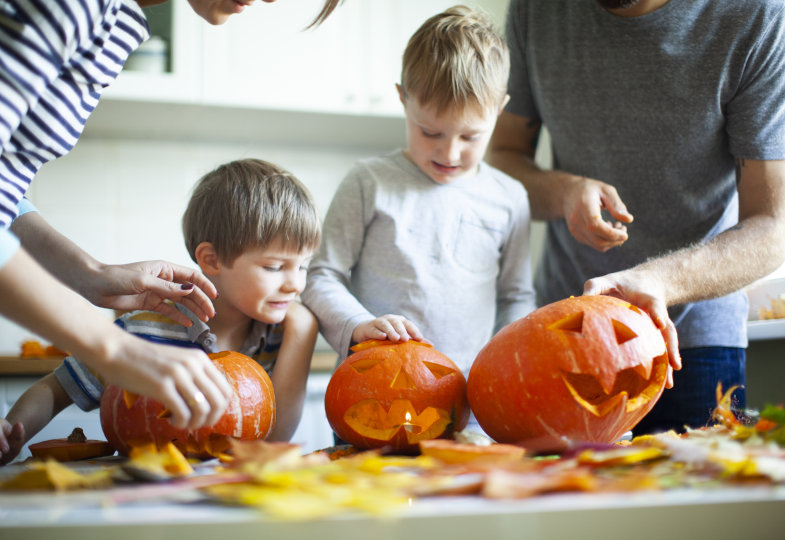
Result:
x=294 y=281
x=451 y=150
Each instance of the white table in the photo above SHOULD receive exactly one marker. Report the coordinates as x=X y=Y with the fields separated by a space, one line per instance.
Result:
x=733 y=513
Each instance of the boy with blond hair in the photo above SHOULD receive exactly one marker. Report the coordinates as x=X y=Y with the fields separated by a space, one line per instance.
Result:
x=252 y=228
x=430 y=242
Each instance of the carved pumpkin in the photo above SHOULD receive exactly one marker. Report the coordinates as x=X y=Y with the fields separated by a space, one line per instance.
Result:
x=141 y=420
x=585 y=368
x=396 y=395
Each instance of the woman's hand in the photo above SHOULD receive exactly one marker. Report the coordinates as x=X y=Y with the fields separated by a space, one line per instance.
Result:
x=389 y=327
x=148 y=285
x=185 y=381
x=141 y=285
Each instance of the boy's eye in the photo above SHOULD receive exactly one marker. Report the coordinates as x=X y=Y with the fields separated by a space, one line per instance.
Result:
x=429 y=134
x=272 y=268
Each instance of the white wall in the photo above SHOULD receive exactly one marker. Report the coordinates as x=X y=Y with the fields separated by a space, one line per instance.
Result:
x=121 y=200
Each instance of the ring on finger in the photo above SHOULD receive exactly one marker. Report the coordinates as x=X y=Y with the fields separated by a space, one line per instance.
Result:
x=198 y=398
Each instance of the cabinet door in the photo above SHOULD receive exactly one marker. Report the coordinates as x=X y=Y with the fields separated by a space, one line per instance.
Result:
x=180 y=80
x=349 y=64
x=266 y=58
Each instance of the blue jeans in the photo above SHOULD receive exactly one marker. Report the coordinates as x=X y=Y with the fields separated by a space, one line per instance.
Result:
x=693 y=397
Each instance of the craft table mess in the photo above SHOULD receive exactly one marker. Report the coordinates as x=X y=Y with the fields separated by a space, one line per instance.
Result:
x=715 y=483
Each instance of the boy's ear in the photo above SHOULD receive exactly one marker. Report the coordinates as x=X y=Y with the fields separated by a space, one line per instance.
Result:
x=207 y=259
x=505 y=101
x=401 y=95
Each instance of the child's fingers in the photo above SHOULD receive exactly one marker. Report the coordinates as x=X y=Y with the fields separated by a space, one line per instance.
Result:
x=413 y=331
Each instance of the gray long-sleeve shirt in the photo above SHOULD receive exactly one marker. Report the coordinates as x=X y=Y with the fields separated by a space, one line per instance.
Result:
x=452 y=258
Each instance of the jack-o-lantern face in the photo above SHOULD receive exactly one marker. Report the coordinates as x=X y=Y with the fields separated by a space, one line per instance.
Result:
x=585 y=368
x=396 y=394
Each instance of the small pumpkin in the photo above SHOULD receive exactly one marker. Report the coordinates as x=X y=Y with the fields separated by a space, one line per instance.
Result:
x=396 y=395
x=452 y=452
x=585 y=368
x=140 y=420
x=72 y=448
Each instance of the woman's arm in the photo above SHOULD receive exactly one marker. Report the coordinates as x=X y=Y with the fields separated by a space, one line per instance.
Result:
x=142 y=285
x=290 y=373
x=184 y=380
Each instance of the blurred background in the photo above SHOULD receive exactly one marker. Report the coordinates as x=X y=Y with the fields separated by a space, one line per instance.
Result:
x=196 y=96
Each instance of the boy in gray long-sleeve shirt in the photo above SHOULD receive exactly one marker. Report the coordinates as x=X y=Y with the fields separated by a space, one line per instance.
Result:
x=431 y=243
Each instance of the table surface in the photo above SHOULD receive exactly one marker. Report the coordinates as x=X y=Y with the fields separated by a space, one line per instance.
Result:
x=135 y=512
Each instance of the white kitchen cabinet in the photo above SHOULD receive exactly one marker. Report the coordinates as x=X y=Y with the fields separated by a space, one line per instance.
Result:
x=181 y=82
x=264 y=58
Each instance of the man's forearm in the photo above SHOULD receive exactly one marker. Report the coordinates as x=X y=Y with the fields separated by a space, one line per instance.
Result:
x=726 y=263
x=544 y=188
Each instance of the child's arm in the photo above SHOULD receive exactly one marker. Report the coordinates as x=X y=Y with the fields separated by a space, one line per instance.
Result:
x=515 y=296
x=390 y=327
x=30 y=414
x=290 y=373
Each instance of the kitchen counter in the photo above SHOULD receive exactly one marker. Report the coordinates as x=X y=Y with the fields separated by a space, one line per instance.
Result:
x=15 y=365
x=717 y=514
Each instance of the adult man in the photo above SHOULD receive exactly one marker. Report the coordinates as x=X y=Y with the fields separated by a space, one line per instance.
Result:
x=673 y=110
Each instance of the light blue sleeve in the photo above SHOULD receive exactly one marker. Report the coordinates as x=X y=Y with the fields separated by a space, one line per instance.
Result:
x=24 y=207
x=8 y=245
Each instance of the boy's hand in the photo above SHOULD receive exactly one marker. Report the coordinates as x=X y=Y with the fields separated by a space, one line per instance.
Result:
x=12 y=439
x=389 y=327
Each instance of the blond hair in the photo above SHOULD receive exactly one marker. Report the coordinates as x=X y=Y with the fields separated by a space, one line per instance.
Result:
x=456 y=58
x=248 y=204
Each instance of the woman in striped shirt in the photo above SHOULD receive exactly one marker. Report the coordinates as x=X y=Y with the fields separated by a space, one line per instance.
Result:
x=55 y=60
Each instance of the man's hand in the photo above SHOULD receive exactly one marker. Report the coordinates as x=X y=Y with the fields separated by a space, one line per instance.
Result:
x=584 y=201
x=389 y=327
x=12 y=438
x=647 y=294
x=147 y=285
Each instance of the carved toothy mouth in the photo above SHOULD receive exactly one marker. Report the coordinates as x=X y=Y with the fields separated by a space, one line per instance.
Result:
x=633 y=385
x=369 y=419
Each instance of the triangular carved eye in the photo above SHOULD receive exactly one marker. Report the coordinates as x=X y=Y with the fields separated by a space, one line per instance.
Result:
x=623 y=332
x=438 y=370
x=361 y=366
x=570 y=323
x=403 y=381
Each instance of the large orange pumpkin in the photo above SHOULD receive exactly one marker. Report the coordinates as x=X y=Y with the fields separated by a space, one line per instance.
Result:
x=585 y=368
x=249 y=416
x=396 y=395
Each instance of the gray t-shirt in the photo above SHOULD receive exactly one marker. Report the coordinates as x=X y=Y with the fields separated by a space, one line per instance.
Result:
x=657 y=106
x=452 y=258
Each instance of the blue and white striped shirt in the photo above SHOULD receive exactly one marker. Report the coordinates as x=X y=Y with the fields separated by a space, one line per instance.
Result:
x=56 y=57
